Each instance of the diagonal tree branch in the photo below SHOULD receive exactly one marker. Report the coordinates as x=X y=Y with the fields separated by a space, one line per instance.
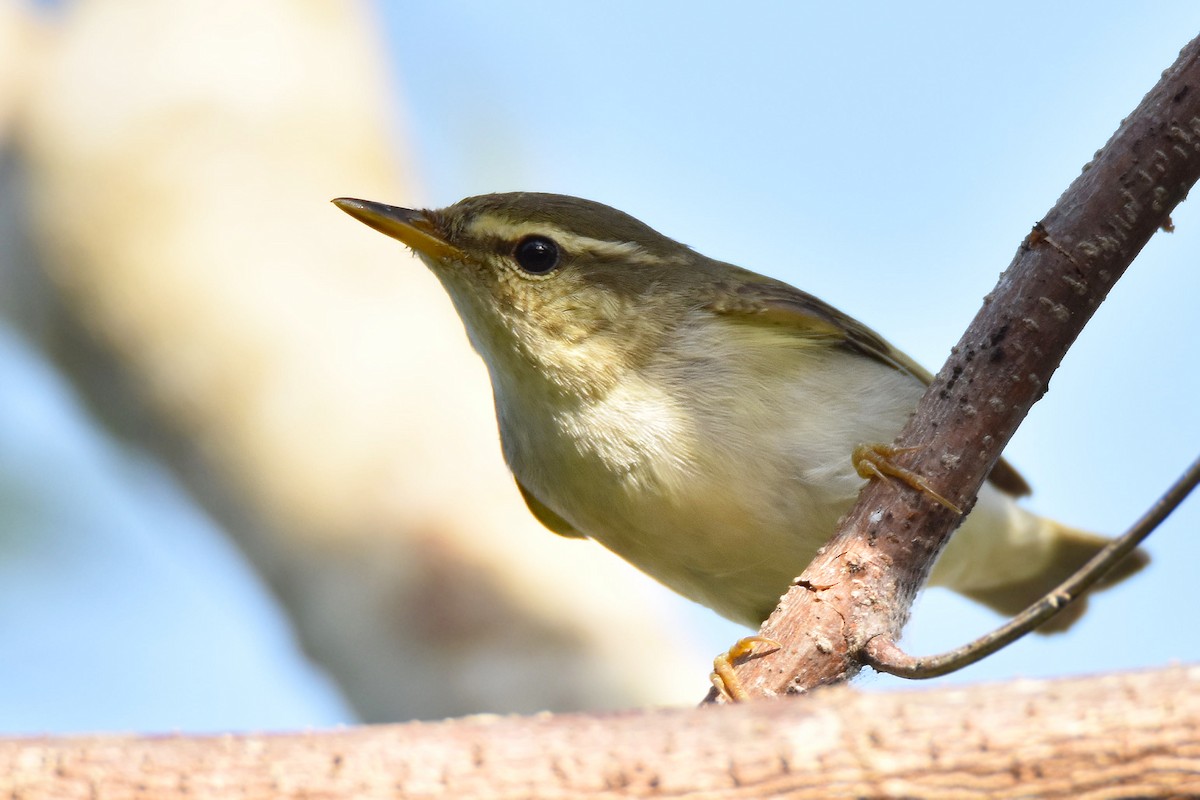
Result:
x=863 y=582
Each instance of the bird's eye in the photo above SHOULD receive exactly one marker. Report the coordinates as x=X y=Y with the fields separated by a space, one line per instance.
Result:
x=536 y=254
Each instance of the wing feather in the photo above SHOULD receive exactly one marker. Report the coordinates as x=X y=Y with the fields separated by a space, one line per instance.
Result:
x=544 y=515
x=764 y=301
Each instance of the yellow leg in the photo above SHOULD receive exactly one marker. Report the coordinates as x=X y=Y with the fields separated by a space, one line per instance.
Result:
x=875 y=461
x=724 y=678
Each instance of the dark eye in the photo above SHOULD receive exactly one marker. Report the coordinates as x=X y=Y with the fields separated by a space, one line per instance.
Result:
x=536 y=254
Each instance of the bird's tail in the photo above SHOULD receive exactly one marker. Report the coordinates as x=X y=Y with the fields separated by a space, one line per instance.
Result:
x=1008 y=558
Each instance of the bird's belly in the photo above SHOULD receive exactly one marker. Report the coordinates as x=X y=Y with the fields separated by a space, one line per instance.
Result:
x=728 y=528
x=723 y=497
x=714 y=547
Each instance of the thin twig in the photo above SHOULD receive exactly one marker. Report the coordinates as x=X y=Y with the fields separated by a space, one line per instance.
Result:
x=885 y=655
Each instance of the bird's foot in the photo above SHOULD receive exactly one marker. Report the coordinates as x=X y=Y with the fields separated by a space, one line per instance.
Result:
x=724 y=678
x=875 y=461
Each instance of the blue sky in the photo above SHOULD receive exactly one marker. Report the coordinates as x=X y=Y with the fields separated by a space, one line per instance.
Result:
x=888 y=159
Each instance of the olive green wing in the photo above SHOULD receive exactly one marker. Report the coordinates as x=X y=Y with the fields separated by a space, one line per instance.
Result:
x=547 y=517
x=768 y=302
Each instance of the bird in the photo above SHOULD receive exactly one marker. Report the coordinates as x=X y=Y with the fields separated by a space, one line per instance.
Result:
x=704 y=422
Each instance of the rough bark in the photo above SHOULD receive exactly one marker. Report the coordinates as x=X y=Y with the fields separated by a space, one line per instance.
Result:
x=1135 y=735
x=862 y=584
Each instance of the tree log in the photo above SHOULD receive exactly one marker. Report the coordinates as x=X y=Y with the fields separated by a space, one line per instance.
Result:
x=1133 y=735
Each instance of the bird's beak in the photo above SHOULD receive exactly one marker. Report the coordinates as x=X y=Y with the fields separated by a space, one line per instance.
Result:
x=408 y=225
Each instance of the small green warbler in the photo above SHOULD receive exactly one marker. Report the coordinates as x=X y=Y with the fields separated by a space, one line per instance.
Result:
x=693 y=417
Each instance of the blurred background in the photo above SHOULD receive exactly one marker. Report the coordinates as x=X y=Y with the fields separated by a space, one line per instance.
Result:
x=249 y=477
